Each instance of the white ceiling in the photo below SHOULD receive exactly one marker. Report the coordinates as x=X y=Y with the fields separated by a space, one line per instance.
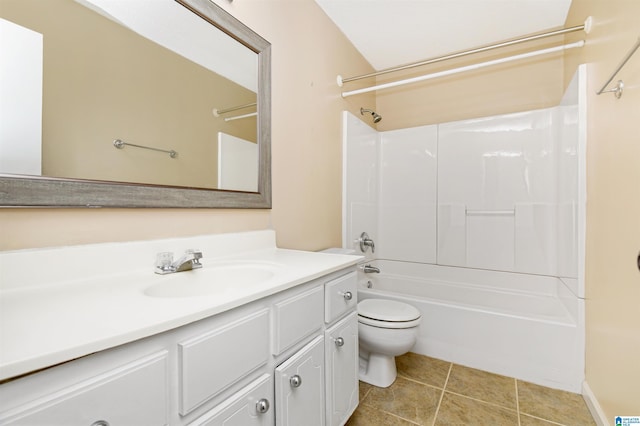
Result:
x=395 y=32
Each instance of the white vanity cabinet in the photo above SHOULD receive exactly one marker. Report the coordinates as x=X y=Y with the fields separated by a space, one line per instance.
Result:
x=210 y=362
x=132 y=393
x=341 y=355
x=250 y=407
x=287 y=359
x=300 y=387
x=341 y=349
x=340 y=296
x=296 y=318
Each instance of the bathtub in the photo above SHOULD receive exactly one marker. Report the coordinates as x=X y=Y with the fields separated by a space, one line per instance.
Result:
x=525 y=326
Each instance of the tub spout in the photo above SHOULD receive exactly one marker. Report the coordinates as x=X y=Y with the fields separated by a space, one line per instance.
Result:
x=368 y=269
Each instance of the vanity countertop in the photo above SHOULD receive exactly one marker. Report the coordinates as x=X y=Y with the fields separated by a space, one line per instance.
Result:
x=49 y=318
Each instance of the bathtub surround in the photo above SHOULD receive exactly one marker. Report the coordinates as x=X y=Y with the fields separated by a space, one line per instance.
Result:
x=499 y=193
x=482 y=222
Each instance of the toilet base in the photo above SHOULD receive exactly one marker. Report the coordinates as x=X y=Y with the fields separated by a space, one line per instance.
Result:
x=378 y=370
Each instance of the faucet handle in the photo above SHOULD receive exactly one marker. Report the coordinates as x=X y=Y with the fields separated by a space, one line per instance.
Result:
x=197 y=255
x=366 y=242
x=164 y=261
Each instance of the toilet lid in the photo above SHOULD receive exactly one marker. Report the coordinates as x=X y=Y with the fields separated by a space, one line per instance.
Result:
x=387 y=310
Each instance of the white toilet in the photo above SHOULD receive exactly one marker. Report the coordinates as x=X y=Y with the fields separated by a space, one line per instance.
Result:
x=386 y=329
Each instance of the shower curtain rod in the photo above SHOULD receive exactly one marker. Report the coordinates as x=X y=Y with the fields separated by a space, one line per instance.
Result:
x=217 y=112
x=586 y=27
x=238 y=117
x=463 y=69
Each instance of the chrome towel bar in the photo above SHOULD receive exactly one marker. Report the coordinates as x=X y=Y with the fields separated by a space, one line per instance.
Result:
x=120 y=144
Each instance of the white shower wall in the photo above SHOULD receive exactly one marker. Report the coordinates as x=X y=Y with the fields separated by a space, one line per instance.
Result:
x=499 y=193
x=360 y=181
x=571 y=119
x=407 y=200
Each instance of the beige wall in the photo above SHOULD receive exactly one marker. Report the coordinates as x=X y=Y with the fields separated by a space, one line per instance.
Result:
x=613 y=205
x=308 y=53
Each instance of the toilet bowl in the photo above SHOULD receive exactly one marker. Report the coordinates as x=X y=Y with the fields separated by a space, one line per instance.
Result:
x=386 y=329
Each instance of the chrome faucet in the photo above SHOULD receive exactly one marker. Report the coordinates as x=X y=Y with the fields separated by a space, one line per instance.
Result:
x=188 y=261
x=368 y=269
x=366 y=242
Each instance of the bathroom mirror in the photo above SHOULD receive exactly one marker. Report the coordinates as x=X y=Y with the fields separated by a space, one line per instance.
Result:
x=180 y=122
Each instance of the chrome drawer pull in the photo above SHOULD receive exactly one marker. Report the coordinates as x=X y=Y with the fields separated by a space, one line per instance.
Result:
x=347 y=295
x=295 y=381
x=262 y=406
x=100 y=423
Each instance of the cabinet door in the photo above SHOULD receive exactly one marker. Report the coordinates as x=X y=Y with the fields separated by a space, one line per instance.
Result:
x=249 y=407
x=300 y=387
x=341 y=342
x=134 y=394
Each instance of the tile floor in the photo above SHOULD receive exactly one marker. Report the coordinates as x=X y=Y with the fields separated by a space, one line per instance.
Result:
x=432 y=392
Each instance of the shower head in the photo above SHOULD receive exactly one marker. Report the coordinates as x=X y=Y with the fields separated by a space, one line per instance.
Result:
x=376 y=117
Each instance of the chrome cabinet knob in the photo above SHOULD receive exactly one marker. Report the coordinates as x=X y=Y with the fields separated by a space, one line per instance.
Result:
x=347 y=295
x=295 y=381
x=262 y=406
x=339 y=341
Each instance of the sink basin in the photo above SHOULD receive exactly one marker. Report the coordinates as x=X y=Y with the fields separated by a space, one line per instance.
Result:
x=218 y=279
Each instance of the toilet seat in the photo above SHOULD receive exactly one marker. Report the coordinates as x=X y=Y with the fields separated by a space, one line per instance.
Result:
x=387 y=314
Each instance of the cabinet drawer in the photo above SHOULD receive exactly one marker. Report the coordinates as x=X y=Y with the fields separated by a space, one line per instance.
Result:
x=340 y=296
x=296 y=318
x=300 y=387
x=341 y=359
x=243 y=407
x=135 y=393
x=213 y=361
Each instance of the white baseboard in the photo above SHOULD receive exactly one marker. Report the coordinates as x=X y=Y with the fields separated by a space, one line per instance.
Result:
x=594 y=406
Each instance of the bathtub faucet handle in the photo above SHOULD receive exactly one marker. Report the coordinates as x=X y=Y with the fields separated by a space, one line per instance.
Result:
x=366 y=242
